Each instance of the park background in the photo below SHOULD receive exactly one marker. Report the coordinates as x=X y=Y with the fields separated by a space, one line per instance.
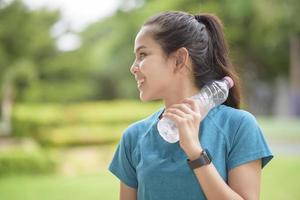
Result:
x=67 y=95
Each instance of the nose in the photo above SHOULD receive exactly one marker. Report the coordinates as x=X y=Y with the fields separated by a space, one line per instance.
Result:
x=134 y=68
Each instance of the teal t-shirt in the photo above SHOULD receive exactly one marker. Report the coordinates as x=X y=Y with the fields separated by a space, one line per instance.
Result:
x=159 y=170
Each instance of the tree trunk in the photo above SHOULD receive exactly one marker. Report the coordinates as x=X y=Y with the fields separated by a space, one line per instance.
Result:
x=295 y=75
x=6 y=108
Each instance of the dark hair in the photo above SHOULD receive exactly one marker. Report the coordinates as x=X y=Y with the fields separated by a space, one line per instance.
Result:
x=202 y=35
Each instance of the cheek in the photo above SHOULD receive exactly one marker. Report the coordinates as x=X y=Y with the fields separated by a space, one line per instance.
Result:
x=143 y=66
x=155 y=67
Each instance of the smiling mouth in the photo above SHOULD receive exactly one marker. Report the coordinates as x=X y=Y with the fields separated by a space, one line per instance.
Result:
x=140 y=82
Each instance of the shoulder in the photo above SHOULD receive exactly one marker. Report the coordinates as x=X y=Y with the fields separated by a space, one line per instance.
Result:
x=231 y=120
x=243 y=136
x=230 y=116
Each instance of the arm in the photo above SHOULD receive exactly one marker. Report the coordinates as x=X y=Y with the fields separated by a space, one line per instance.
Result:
x=126 y=192
x=243 y=181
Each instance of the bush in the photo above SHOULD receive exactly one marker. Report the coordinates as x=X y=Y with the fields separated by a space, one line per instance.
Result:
x=81 y=135
x=26 y=160
x=78 y=124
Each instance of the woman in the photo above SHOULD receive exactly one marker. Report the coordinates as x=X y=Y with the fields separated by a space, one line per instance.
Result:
x=221 y=157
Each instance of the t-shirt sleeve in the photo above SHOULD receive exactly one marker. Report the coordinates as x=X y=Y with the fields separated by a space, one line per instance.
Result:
x=248 y=144
x=121 y=165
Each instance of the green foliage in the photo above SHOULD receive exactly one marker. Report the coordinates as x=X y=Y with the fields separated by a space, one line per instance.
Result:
x=76 y=135
x=78 y=124
x=22 y=161
x=25 y=45
x=102 y=112
x=258 y=34
x=104 y=122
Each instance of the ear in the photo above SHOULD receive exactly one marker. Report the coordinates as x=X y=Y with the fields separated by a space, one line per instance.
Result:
x=181 y=59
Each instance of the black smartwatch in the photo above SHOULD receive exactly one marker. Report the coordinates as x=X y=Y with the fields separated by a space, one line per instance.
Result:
x=204 y=159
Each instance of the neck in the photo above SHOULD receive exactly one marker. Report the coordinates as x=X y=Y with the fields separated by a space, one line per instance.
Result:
x=178 y=93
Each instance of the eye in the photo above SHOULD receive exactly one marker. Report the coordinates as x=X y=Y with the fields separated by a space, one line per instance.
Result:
x=142 y=55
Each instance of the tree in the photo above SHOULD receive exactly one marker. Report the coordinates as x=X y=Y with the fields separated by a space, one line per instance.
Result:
x=25 y=45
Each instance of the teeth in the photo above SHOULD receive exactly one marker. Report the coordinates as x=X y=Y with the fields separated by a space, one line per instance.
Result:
x=139 y=82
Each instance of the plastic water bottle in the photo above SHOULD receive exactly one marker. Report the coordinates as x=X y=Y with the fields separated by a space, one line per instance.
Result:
x=212 y=94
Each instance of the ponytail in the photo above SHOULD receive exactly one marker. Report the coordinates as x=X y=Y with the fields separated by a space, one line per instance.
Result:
x=218 y=51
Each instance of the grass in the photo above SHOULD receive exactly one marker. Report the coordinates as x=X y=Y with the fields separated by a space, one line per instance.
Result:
x=84 y=187
x=280 y=181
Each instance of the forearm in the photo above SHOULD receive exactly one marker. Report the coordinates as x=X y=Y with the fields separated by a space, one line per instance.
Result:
x=212 y=184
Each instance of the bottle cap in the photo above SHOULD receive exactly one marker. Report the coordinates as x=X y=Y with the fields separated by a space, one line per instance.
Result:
x=229 y=80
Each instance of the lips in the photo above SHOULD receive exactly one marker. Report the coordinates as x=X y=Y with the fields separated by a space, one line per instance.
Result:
x=140 y=82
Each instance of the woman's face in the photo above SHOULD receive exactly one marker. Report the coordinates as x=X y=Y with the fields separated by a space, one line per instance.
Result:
x=153 y=70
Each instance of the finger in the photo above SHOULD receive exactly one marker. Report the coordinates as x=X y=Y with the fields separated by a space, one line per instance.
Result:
x=183 y=116
x=184 y=107
x=177 y=119
x=193 y=104
x=176 y=111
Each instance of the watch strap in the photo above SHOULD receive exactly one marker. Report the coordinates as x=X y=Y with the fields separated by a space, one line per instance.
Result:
x=204 y=159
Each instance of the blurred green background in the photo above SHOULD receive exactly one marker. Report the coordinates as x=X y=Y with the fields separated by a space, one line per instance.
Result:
x=63 y=110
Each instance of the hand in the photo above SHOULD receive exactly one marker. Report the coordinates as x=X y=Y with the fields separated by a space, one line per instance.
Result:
x=187 y=117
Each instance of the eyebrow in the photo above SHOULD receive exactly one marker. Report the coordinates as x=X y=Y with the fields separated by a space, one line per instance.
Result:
x=139 y=48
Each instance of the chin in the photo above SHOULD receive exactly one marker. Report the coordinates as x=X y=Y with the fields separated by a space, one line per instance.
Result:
x=144 y=97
